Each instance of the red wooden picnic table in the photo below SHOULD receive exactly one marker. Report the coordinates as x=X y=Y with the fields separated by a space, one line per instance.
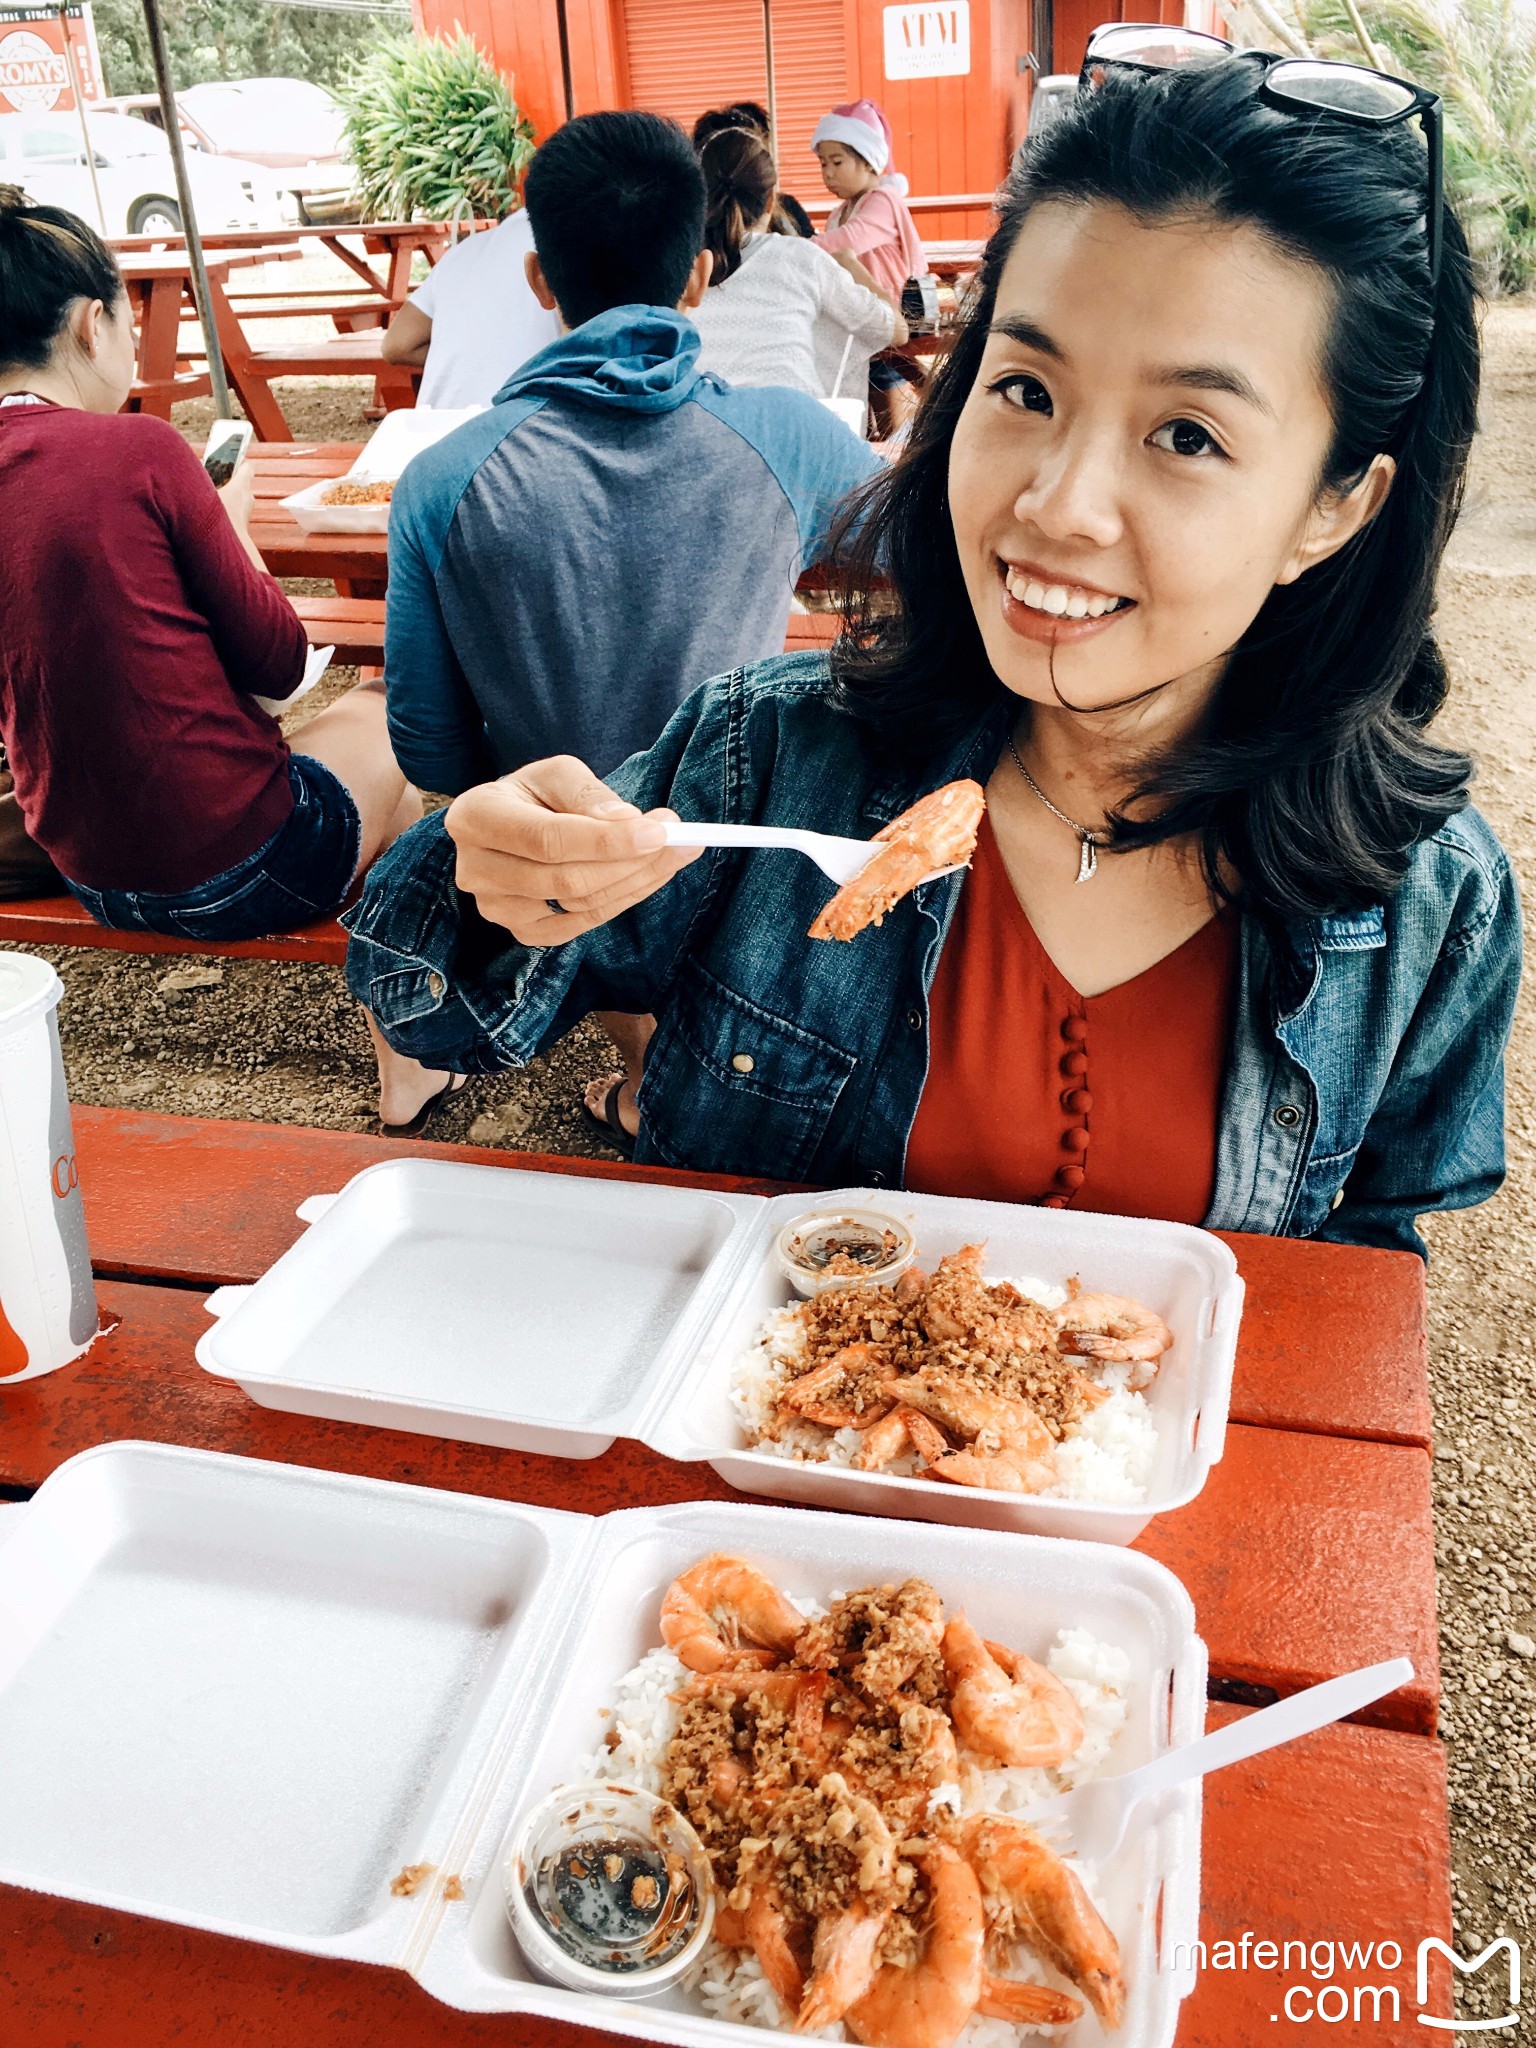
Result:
x=399 y=242
x=158 y=285
x=1308 y=1552
x=357 y=563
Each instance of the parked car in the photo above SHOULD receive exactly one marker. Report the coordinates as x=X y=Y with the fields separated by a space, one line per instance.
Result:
x=294 y=129
x=43 y=154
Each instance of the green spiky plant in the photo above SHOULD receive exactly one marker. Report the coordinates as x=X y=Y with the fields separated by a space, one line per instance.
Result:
x=1480 y=56
x=434 y=131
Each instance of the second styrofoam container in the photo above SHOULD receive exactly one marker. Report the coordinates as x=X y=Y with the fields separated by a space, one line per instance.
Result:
x=251 y=1698
x=552 y=1313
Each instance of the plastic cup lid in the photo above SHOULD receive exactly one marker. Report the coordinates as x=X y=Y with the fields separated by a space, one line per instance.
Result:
x=28 y=985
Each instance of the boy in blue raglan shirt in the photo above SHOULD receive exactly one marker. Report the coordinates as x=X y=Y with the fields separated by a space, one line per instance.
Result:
x=617 y=528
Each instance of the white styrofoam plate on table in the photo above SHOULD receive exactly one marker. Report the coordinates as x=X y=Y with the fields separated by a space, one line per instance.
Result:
x=399 y=436
x=244 y=1697
x=553 y=1313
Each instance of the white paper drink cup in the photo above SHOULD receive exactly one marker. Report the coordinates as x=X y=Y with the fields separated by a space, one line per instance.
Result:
x=47 y=1298
x=850 y=411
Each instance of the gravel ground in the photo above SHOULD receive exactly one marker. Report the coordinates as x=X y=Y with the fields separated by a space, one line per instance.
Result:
x=285 y=1043
x=1482 y=1288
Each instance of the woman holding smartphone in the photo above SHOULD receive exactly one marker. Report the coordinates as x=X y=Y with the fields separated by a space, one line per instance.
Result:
x=1161 y=560
x=137 y=626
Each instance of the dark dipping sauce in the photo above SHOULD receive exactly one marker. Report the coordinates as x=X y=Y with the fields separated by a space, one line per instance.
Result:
x=856 y=1243
x=617 y=1904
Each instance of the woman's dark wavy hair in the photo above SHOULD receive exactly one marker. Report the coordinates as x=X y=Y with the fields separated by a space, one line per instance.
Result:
x=1314 y=778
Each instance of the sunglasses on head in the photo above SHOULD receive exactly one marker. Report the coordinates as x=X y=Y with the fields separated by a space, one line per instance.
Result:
x=1296 y=85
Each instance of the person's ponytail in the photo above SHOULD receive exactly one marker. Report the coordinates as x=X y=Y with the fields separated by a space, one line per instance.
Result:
x=49 y=259
x=739 y=180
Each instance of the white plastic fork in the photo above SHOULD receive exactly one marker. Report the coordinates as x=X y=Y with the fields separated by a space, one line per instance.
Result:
x=839 y=859
x=1097 y=1813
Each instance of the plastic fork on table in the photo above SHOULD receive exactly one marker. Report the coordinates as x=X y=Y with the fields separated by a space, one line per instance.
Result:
x=839 y=859
x=1097 y=1813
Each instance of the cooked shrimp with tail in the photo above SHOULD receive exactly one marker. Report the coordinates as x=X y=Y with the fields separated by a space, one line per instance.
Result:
x=1005 y=1444
x=722 y=1613
x=1005 y=1705
x=1113 y=1329
x=1032 y=1896
x=927 y=2003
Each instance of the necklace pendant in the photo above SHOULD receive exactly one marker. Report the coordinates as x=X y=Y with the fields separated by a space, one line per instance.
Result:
x=1088 y=860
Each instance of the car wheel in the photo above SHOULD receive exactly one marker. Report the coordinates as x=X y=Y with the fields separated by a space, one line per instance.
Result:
x=155 y=217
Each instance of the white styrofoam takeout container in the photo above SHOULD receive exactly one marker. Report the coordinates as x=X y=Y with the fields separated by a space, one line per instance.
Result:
x=310 y=512
x=399 y=436
x=553 y=1313
x=244 y=1696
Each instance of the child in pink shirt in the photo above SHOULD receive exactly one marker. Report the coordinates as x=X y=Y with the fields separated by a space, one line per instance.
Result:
x=853 y=143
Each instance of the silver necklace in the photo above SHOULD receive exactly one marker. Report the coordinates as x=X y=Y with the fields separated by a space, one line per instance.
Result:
x=1088 y=841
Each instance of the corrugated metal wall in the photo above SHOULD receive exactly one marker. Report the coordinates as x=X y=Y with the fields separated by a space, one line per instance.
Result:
x=682 y=59
x=810 y=76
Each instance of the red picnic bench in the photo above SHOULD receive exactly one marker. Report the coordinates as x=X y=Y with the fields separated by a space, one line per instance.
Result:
x=355 y=627
x=1309 y=1551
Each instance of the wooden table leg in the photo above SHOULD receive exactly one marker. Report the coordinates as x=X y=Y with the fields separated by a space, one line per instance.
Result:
x=254 y=392
x=157 y=303
x=359 y=264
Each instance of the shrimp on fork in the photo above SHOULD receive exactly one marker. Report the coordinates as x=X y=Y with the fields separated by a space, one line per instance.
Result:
x=722 y=1614
x=939 y=831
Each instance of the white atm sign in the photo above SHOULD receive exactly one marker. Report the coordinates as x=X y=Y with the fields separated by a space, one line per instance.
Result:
x=928 y=42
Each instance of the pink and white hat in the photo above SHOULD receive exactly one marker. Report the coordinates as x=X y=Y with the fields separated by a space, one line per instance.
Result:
x=863 y=126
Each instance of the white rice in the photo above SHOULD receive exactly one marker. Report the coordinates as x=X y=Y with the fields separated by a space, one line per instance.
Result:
x=729 y=1984
x=1107 y=1459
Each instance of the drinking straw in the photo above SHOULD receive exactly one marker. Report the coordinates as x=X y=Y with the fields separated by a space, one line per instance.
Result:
x=837 y=382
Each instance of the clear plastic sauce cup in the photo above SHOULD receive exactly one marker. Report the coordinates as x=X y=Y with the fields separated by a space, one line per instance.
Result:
x=608 y=1889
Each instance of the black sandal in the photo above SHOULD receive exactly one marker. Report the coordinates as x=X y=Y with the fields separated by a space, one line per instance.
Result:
x=424 y=1115
x=610 y=1123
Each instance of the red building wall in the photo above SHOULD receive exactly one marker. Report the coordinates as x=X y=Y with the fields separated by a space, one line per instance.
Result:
x=953 y=136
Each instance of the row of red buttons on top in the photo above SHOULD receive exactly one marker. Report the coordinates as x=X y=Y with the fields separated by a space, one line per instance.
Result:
x=1077 y=1102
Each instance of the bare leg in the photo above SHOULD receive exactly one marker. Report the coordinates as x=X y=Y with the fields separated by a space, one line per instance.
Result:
x=352 y=739
x=631 y=1034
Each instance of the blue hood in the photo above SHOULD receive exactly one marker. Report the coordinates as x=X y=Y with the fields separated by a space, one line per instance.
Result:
x=635 y=358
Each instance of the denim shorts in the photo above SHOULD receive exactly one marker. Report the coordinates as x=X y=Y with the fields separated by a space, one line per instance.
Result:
x=303 y=872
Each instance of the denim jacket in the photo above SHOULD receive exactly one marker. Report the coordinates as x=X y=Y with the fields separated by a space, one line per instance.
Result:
x=1364 y=1083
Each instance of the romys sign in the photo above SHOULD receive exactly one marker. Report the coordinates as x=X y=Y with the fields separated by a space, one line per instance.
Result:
x=34 y=69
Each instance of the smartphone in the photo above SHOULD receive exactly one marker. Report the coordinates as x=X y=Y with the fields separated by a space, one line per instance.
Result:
x=225 y=450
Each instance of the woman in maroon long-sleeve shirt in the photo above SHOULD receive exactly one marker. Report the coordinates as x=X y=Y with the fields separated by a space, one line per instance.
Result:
x=137 y=626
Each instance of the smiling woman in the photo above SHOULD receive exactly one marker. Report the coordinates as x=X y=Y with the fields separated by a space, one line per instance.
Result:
x=1157 y=566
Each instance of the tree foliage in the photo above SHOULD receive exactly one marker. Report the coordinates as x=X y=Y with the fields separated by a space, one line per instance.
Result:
x=211 y=39
x=434 y=131
x=1480 y=56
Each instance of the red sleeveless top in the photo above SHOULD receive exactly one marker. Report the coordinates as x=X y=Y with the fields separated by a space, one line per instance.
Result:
x=1038 y=1094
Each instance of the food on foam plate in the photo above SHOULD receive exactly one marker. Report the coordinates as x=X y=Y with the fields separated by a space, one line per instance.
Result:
x=855 y=1774
x=344 y=493
x=1016 y=1386
x=937 y=833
